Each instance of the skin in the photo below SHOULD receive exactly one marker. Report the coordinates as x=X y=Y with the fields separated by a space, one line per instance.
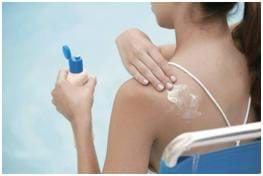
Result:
x=143 y=121
x=145 y=61
x=136 y=47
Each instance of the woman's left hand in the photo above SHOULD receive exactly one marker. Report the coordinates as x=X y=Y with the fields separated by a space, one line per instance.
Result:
x=74 y=102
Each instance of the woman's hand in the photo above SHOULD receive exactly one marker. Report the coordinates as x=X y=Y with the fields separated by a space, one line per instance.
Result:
x=74 y=102
x=143 y=60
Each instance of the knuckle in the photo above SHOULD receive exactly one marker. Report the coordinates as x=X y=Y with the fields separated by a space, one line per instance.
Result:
x=153 y=67
x=61 y=71
x=132 y=62
x=158 y=73
x=131 y=69
x=53 y=93
x=150 y=48
x=145 y=72
x=149 y=76
x=138 y=51
x=137 y=64
x=161 y=63
x=60 y=84
x=137 y=76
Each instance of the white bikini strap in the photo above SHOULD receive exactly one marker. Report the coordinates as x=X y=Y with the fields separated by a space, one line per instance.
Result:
x=246 y=116
x=248 y=109
x=212 y=97
x=205 y=89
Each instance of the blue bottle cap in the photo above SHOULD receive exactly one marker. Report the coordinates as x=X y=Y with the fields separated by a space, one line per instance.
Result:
x=75 y=63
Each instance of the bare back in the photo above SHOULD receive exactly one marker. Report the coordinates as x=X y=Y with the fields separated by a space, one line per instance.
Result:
x=226 y=76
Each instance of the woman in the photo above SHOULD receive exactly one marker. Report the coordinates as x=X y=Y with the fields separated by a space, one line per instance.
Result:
x=143 y=120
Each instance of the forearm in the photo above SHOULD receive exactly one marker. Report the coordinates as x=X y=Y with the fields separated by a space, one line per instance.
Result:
x=86 y=154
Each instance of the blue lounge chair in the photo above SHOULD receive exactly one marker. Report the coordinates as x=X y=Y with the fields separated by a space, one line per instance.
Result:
x=241 y=159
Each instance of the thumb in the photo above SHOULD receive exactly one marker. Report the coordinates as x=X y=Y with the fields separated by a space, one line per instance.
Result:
x=90 y=85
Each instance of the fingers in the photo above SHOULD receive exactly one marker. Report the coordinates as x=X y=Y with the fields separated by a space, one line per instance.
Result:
x=90 y=85
x=158 y=58
x=156 y=70
x=137 y=75
x=83 y=78
x=146 y=72
x=62 y=75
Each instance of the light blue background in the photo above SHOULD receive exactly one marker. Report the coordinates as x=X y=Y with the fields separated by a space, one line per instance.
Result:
x=36 y=139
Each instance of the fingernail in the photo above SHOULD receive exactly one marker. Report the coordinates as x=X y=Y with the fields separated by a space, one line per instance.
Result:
x=160 y=87
x=169 y=86
x=173 y=78
x=145 y=81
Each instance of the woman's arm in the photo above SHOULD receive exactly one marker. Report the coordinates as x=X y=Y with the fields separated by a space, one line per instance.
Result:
x=132 y=127
x=86 y=153
x=75 y=103
x=130 y=138
x=132 y=130
x=145 y=61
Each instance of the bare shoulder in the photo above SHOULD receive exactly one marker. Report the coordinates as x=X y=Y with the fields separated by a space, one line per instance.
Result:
x=132 y=89
x=144 y=97
x=147 y=97
x=139 y=106
x=157 y=109
x=132 y=128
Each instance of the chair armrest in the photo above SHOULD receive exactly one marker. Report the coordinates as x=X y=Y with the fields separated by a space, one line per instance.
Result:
x=189 y=140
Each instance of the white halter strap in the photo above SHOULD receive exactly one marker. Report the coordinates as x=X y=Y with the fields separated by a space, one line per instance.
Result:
x=211 y=96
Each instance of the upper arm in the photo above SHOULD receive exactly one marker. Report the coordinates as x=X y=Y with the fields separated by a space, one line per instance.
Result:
x=132 y=131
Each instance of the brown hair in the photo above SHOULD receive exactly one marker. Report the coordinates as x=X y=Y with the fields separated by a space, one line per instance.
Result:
x=247 y=38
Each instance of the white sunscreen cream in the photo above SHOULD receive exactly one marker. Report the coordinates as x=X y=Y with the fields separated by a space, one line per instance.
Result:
x=186 y=102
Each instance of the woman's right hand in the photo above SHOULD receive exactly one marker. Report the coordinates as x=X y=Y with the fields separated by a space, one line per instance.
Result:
x=143 y=60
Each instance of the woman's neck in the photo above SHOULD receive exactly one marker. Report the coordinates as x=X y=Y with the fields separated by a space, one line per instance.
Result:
x=191 y=36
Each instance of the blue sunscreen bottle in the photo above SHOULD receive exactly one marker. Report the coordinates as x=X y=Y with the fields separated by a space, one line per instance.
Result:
x=76 y=73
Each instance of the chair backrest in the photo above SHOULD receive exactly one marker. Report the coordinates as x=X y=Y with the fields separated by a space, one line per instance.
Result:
x=243 y=159
x=239 y=159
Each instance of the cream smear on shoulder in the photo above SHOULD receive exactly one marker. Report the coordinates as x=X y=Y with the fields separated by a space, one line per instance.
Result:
x=186 y=102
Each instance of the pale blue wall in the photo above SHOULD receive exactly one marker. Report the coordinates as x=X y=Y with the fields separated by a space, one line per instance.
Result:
x=36 y=139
